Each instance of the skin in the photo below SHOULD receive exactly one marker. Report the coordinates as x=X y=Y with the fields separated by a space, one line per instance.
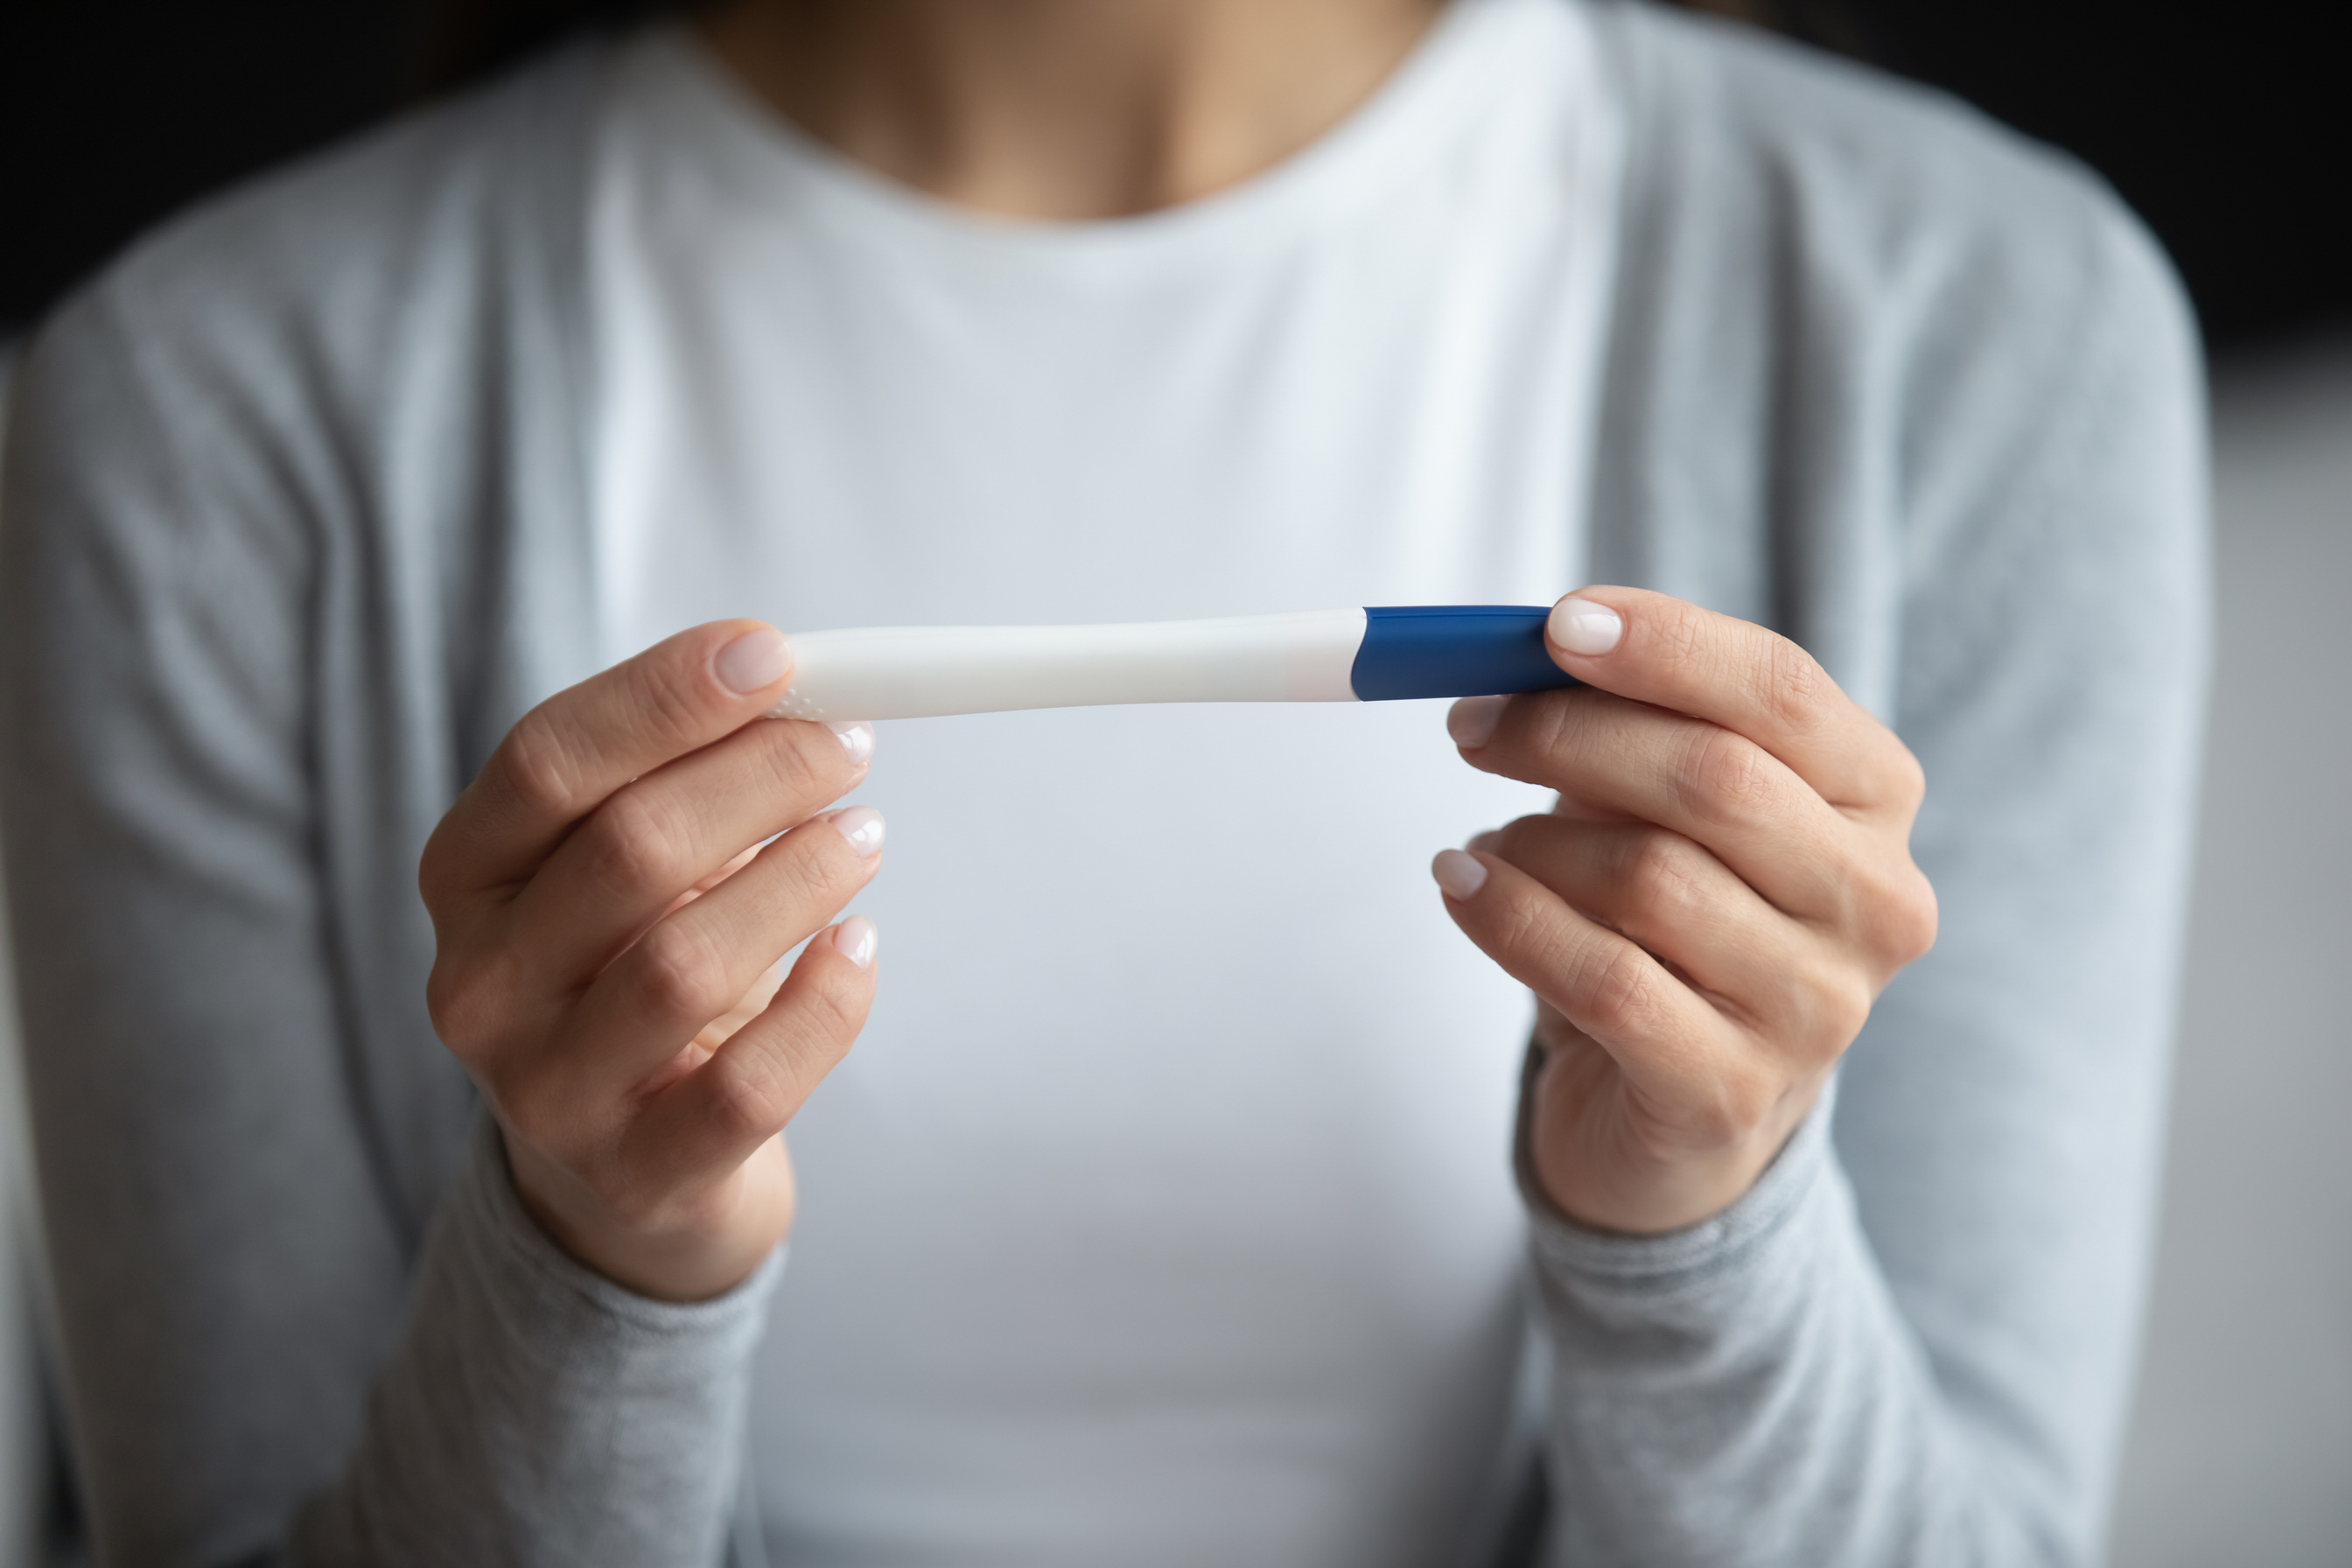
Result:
x=608 y=925
x=1704 y=920
x=1707 y=916
x=1066 y=109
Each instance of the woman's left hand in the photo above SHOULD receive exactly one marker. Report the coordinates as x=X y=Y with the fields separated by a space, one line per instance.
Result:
x=1709 y=912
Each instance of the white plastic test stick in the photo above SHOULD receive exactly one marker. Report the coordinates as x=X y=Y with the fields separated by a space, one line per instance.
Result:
x=920 y=672
x=1308 y=655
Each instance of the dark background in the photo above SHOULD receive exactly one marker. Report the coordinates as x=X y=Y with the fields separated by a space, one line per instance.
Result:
x=2230 y=130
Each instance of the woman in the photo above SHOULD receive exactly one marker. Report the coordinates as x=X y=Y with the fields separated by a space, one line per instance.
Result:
x=1162 y=1212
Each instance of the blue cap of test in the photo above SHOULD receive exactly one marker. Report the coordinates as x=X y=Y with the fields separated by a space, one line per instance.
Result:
x=1452 y=650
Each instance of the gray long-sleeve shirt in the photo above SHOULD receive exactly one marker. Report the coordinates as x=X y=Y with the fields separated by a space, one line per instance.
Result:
x=294 y=529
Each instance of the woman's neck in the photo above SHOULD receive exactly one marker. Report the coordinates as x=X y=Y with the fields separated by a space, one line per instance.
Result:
x=1066 y=108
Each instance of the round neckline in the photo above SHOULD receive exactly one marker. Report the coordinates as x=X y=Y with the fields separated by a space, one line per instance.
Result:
x=1377 y=142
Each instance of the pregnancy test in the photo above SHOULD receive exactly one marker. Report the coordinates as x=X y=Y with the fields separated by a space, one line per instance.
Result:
x=1375 y=655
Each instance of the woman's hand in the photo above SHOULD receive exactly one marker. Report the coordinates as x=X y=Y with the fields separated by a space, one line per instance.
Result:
x=1707 y=915
x=609 y=926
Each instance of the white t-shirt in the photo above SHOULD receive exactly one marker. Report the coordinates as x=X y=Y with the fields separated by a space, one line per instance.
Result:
x=1163 y=1212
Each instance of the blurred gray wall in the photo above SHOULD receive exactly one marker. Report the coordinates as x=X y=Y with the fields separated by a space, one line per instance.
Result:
x=2241 y=1452
x=24 y=1438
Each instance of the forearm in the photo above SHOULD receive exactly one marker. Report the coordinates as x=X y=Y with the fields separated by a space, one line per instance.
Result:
x=532 y=1411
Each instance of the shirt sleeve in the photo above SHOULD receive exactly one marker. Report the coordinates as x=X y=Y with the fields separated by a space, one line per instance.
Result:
x=534 y=1412
x=1913 y=1342
x=248 y=1337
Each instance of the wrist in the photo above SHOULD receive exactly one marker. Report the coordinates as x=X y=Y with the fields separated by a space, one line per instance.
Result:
x=676 y=1256
x=1619 y=1199
x=1602 y=1174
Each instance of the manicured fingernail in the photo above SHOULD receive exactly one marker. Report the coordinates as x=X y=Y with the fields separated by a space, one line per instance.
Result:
x=1582 y=626
x=1486 y=841
x=855 y=938
x=754 y=661
x=1472 y=720
x=856 y=738
x=1459 y=875
x=862 y=826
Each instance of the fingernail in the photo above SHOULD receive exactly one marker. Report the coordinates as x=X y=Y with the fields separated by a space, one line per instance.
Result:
x=862 y=826
x=855 y=939
x=1459 y=875
x=754 y=661
x=1486 y=841
x=1472 y=720
x=1582 y=626
x=856 y=738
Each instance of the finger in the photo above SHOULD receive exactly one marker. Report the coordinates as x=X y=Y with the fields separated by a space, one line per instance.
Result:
x=657 y=997
x=712 y=1120
x=1669 y=1043
x=1678 y=902
x=566 y=755
x=671 y=831
x=741 y=859
x=1751 y=680
x=748 y=1006
x=1697 y=779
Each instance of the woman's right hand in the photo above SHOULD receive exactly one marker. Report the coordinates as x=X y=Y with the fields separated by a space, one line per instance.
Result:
x=608 y=928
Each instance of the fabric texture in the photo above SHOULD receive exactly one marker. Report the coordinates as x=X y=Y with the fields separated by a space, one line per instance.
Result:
x=1366 y=377
x=296 y=524
x=567 y=1376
